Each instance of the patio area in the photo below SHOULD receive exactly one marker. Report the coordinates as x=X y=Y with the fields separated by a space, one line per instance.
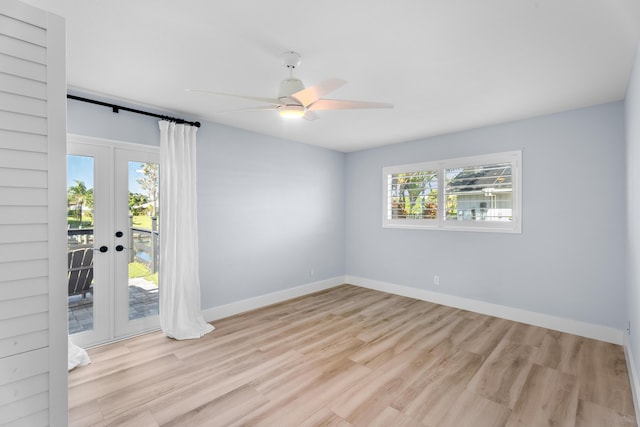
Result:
x=143 y=302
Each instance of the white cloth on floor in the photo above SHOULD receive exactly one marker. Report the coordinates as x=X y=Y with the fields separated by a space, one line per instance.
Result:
x=77 y=356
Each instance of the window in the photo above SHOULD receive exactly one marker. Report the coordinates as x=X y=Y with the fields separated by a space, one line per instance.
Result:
x=480 y=193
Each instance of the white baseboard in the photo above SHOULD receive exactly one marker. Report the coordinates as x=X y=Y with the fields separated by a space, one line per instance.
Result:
x=633 y=375
x=561 y=324
x=575 y=327
x=219 y=312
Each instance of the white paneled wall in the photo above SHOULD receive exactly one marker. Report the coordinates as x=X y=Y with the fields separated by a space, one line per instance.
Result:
x=32 y=211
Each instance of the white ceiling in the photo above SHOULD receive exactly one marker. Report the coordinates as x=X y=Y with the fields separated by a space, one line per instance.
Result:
x=446 y=65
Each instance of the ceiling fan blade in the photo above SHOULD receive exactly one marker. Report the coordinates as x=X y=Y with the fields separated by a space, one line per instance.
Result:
x=242 y=110
x=344 y=104
x=252 y=98
x=313 y=93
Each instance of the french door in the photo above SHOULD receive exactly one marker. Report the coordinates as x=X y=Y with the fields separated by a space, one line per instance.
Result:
x=113 y=239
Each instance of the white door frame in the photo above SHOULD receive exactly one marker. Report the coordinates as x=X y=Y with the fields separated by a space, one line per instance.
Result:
x=102 y=262
x=123 y=326
x=111 y=307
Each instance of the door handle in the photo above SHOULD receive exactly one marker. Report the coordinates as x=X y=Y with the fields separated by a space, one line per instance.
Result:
x=120 y=248
x=102 y=249
x=119 y=234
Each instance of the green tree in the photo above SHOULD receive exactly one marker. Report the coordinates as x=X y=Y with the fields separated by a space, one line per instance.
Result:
x=80 y=196
x=137 y=203
x=149 y=181
x=417 y=185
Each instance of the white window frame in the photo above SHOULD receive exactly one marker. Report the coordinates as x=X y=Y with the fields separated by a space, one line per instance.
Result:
x=440 y=223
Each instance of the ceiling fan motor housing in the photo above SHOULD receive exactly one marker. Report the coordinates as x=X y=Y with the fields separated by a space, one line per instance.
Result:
x=291 y=59
x=289 y=86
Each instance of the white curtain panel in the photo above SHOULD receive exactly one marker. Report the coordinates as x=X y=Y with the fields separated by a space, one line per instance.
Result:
x=179 y=287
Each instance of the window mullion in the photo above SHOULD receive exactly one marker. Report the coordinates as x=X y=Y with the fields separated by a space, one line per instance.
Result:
x=441 y=198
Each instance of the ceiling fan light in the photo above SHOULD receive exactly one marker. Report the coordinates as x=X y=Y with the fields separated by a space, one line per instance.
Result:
x=292 y=111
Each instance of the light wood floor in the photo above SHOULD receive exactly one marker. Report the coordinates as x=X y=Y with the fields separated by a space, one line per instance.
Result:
x=356 y=357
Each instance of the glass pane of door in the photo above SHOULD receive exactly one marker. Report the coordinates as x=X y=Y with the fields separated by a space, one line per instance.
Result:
x=137 y=255
x=80 y=240
x=144 y=257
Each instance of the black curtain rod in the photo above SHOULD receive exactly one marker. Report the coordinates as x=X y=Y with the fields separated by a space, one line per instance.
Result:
x=116 y=108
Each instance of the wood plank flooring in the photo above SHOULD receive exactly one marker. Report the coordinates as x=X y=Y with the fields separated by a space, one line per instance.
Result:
x=350 y=356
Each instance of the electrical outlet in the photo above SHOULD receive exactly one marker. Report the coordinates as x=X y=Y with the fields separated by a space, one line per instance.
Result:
x=436 y=280
x=311 y=272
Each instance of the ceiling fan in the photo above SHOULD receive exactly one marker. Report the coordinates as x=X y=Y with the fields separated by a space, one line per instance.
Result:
x=295 y=101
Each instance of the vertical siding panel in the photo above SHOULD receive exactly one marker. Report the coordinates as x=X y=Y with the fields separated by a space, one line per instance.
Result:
x=29 y=305
x=15 y=411
x=16 y=233
x=24 y=288
x=19 y=159
x=23 y=325
x=20 y=49
x=23 y=178
x=23 y=389
x=23 y=251
x=22 y=105
x=24 y=365
x=22 y=141
x=23 y=343
x=57 y=220
x=28 y=70
x=33 y=343
x=29 y=33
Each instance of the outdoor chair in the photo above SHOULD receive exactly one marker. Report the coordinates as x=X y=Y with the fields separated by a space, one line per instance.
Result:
x=80 y=271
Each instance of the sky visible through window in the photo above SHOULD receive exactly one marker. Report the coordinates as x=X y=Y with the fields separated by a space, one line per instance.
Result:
x=80 y=168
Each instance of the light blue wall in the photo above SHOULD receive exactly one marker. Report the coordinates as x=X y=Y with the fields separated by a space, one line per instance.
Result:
x=632 y=122
x=271 y=210
x=100 y=122
x=268 y=210
x=569 y=260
